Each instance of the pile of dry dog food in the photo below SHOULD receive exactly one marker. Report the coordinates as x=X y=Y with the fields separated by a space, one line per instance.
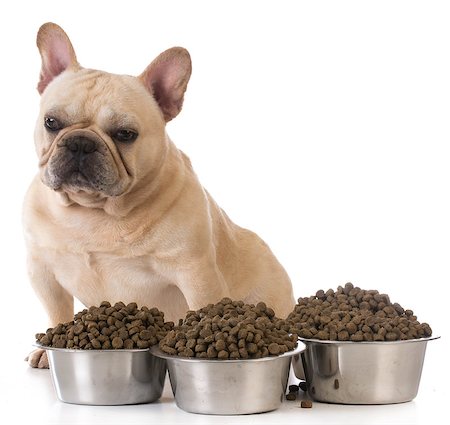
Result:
x=230 y=330
x=354 y=314
x=235 y=330
x=109 y=327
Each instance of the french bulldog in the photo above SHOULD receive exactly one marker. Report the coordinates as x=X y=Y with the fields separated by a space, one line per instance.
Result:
x=116 y=211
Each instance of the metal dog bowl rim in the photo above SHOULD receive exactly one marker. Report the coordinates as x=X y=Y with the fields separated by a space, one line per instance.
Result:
x=402 y=341
x=93 y=350
x=156 y=351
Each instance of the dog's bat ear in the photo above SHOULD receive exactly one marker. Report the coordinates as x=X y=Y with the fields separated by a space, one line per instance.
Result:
x=56 y=52
x=166 y=78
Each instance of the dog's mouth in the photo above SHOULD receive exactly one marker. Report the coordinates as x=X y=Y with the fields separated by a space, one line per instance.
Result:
x=82 y=161
x=78 y=180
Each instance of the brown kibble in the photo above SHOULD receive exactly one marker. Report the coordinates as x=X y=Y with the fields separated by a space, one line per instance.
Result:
x=115 y=316
x=188 y=353
x=323 y=335
x=131 y=307
x=211 y=352
x=219 y=335
x=106 y=331
x=205 y=332
x=252 y=348
x=200 y=348
x=232 y=331
x=123 y=334
x=291 y=396
x=354 y=314
x=169 y=350
x=261 y=306
x=274 y=348
x=96 y=344
x=145 y=335
x=169 y=340
x=351 y=327
x=367 y=336
x=270 y=313
x=306 y=404
x=305 y=333
x=104 y=327
x=356 y=337
x=243 y=353
x=191 y=343
x=60 y=343
x=343 y=336
x=117 y=342
x=128 y=344
x=45 y=340
x=134 y=330
x=364 y=305
x=220 y=345
x=232 y=347
x=242 y=334
x=223 y=355
x=391 y=336
x=427 y=329
x=78 y=329
x=234 y=355
x=209 y=339
x=141 y=344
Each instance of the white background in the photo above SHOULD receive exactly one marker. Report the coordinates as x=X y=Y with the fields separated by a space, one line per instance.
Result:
x=322 y=126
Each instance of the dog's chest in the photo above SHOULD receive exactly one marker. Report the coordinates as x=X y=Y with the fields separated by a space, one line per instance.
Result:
x=93 y=277
x=107 y=272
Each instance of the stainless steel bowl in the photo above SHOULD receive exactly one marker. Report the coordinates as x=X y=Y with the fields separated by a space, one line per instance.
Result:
x=106 y=377
x=361 y=372
x=228 y=387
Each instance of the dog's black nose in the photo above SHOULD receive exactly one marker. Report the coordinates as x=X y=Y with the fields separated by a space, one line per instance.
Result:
x=80 y=144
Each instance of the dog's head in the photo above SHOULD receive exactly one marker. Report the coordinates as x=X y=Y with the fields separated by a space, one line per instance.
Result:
x=97 y=133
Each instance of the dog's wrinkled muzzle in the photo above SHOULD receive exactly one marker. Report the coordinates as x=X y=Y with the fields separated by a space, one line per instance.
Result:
x=82 y=160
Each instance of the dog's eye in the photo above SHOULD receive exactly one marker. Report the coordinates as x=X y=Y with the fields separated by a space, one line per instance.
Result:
x=126 y=136
x=52 y=124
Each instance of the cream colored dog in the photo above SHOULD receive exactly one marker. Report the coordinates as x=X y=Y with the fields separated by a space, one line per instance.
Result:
x=116 y=212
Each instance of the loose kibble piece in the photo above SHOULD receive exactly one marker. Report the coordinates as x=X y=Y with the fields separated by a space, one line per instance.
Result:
x=306 y=404
x=291 y=396
x=107 y=327
x=231 y=330
x=354 y=314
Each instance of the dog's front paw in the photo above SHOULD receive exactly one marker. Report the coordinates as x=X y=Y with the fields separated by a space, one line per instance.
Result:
x=38 y=358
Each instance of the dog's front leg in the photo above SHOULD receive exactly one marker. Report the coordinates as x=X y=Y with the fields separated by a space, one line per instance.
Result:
x=58 y=303
x=202 y=283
